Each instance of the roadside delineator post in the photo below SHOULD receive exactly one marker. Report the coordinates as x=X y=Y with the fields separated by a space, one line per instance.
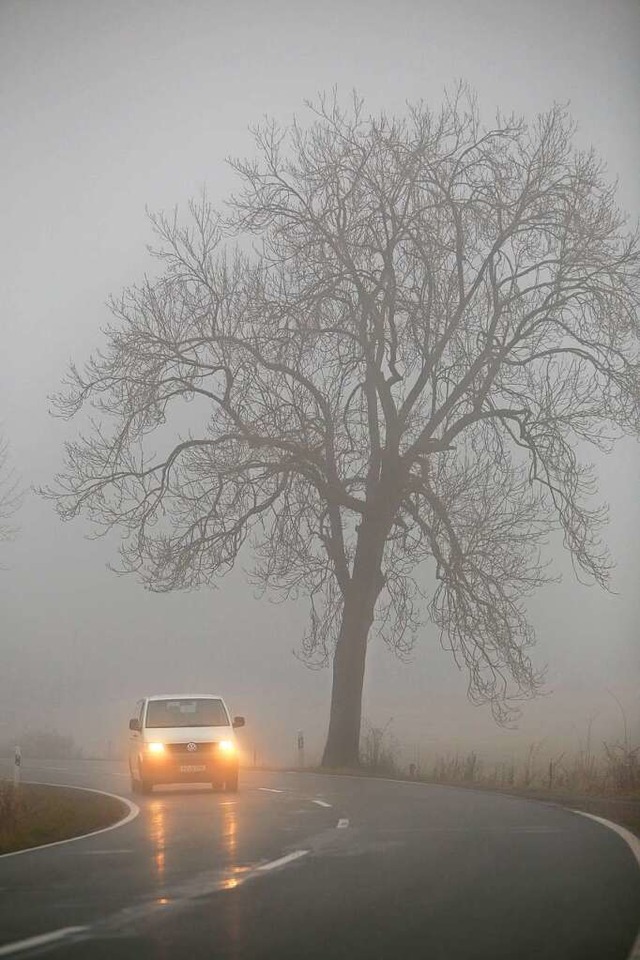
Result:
x=300 y=748
x=17 y=763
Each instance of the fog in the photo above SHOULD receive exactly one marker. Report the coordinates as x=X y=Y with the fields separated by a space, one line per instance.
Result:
x=111 y=108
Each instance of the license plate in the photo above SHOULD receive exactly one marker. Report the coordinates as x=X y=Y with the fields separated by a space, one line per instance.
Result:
x=192 y=768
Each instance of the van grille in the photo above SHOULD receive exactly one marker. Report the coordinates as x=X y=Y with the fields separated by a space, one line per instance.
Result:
x=182 y=748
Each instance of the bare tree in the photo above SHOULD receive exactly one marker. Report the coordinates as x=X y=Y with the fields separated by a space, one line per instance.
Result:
x=391 y=385
x=11 y=494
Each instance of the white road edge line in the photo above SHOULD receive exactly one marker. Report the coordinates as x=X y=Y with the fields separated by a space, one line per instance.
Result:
x=282 y=860
x=631 y=840
x=635 y=950
x=634 y=844
x=9 y=949
x=134 y=810
x=321 y=803
x=342 y=823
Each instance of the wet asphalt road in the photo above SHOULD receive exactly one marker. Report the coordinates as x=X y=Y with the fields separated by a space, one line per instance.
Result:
x=373 y=869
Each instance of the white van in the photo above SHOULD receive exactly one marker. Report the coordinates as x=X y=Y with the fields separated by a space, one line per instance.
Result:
x=185 y=738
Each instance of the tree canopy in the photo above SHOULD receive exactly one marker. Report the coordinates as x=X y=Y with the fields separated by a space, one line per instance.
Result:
x=397 y=335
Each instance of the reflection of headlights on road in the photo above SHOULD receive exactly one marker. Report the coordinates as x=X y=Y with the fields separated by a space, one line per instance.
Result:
x=156 y=748
x=227 y=746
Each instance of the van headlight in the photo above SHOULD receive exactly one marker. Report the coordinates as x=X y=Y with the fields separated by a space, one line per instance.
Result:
x=156 y=748
x=227 y=746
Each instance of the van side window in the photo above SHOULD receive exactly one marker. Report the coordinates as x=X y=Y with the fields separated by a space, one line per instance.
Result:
x=140 y=704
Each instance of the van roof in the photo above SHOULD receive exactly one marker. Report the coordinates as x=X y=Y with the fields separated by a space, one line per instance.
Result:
x=184 y=696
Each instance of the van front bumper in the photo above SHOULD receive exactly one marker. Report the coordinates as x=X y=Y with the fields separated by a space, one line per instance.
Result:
x=205 y=764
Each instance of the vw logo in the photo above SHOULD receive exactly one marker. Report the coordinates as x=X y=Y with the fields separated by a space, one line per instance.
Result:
x=191 y=747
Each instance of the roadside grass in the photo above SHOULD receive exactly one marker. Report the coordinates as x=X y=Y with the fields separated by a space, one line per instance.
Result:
x=32 y=814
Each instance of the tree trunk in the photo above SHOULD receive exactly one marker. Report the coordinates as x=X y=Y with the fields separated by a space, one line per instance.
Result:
x=343 y=739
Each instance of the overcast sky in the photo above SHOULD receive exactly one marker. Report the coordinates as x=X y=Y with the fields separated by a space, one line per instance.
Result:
x=108 y=108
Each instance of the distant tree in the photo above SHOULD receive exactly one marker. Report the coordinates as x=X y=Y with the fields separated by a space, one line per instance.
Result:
x=11 y=494
x=392 y=385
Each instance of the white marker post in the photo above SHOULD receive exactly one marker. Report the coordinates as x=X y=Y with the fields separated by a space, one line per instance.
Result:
x=300 y=748
x=17 y=763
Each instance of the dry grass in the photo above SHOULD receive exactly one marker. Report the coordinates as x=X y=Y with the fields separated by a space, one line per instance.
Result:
x=33 y=814
x=615 y=772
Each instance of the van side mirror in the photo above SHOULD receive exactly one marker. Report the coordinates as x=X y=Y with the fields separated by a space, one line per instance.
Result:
x=134 y=724
x=238 y=721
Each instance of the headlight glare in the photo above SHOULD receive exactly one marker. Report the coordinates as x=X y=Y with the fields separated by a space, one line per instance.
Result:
x=226 y=746
x=156 y=748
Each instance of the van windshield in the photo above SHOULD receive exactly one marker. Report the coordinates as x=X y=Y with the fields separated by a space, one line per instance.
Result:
x=187 y=713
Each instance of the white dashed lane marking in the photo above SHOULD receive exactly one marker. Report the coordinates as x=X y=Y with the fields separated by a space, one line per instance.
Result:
x=282 y=860
x=11 y=949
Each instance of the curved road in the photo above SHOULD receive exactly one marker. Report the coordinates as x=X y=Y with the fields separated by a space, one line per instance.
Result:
x=307 y=866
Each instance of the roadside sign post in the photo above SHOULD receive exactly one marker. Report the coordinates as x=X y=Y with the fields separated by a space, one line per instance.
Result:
x=17 y=763
x=300 y=748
